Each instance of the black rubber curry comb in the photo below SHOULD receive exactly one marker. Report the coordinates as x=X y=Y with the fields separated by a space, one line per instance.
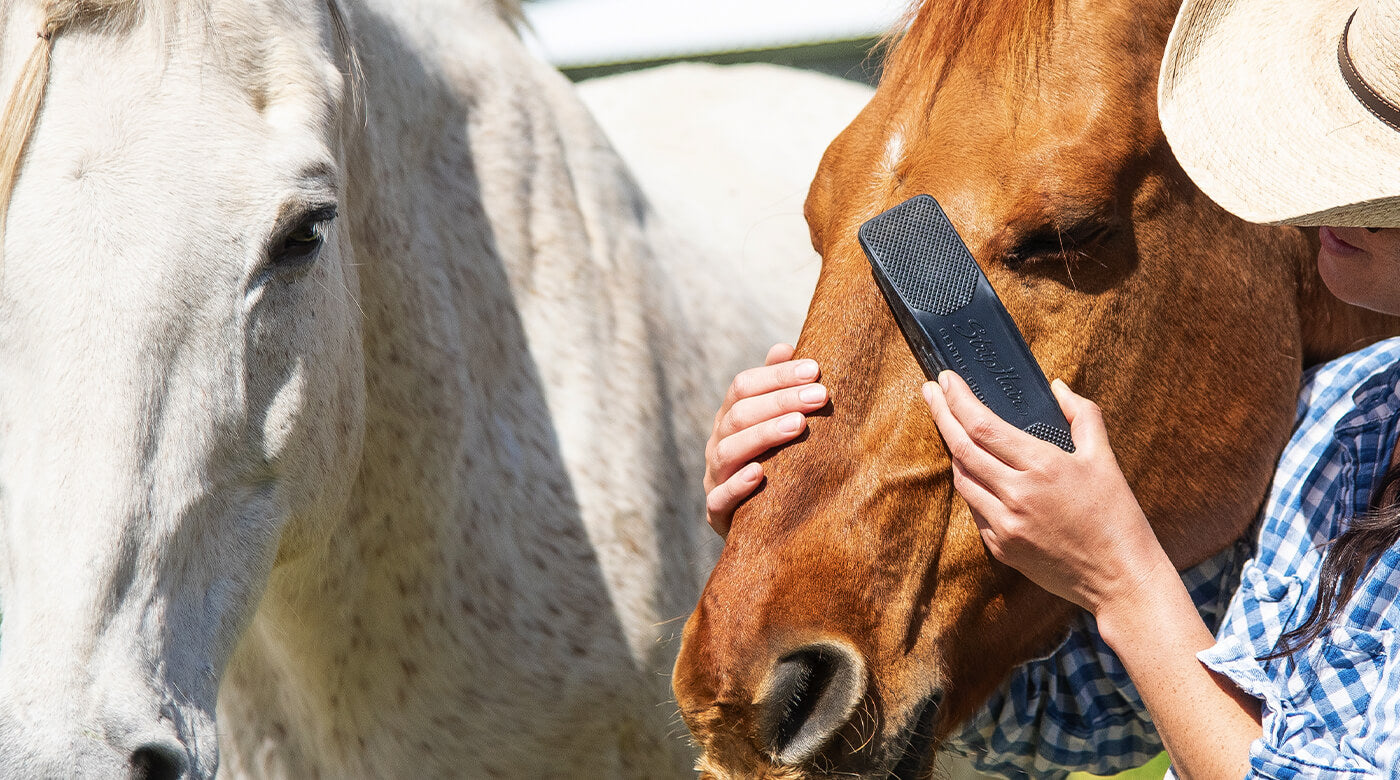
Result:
x=952 y=317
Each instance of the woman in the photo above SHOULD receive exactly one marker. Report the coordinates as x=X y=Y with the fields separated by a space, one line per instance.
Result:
x=1282 y=112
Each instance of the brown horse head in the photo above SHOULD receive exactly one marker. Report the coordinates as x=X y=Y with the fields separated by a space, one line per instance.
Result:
x=855 y=614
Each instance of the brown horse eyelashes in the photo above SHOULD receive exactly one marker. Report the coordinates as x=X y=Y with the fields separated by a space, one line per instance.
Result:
x=1050 y=242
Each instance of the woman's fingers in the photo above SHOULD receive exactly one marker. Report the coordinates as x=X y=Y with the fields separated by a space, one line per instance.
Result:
x=966 y=452
x=1085 y=419
x=779 y=353
x=748 y=412
x=1001 y=439
x=721 y=502
x=985 y=508
x=765 y=379
x=764 y=408
x=979 y=498
x=732 y=452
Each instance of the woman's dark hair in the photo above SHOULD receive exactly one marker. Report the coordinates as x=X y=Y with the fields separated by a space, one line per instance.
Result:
x=1349 y=556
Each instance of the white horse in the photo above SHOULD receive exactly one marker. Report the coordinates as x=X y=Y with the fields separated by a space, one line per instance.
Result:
x=365 y=411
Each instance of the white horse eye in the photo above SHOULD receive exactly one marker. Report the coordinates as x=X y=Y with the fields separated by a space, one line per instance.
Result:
x=301 y=246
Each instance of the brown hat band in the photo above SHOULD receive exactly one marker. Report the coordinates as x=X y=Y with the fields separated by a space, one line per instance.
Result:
x=1374 y=102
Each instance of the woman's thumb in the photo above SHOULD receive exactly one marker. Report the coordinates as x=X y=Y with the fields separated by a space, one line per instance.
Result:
x=1085 y=419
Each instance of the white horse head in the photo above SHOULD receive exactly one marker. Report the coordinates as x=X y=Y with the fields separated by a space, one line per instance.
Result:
x=365 y=412
x=181 y=396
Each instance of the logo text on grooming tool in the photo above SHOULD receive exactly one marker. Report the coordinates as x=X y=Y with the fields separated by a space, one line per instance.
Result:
x=984 y=352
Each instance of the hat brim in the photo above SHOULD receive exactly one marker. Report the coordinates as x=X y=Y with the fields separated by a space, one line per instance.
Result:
x=1253 y=103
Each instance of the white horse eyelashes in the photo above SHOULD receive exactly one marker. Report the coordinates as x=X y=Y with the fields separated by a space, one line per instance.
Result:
x=300 y=246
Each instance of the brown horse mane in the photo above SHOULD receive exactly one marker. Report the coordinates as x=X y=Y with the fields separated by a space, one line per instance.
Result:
x=1004 y=36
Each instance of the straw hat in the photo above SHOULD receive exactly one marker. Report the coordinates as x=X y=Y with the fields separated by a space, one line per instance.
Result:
x=1258 y=105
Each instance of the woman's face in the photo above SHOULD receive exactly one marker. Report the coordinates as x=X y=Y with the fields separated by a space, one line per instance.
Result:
x=1362 y=266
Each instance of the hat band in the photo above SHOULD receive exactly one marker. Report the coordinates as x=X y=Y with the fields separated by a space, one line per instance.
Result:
x=1374 y=102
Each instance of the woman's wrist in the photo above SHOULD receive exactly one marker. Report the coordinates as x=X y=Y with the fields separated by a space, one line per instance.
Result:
x=1127 y=570
x=1206 y=722
x=1155 y=610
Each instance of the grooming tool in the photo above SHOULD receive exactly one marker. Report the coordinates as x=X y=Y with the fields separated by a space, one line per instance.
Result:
x=952 y=317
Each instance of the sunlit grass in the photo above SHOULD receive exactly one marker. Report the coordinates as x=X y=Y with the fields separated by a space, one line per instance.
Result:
x=1152 y=770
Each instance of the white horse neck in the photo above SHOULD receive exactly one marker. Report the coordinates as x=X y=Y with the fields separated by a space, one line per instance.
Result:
x=524 y=521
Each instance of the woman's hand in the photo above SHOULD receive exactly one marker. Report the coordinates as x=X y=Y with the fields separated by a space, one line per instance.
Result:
x=1068 y=521
x=765 y=407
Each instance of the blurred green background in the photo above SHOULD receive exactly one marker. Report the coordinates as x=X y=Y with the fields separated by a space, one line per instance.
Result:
x=1152 y=770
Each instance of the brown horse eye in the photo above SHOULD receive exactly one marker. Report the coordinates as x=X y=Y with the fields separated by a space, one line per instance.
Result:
x=1050 y=243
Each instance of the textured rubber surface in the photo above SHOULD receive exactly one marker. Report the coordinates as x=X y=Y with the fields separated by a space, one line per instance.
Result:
x=953 y=319
x=1051 y=434
x=923 y=256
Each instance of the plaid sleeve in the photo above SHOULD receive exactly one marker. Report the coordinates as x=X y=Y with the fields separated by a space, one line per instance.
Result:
x=1076 y=709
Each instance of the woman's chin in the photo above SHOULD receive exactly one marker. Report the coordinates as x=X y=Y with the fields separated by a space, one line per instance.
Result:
x=1352 y=277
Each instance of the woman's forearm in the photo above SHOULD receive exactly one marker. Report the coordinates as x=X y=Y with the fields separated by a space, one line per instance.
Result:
x=1205 y=721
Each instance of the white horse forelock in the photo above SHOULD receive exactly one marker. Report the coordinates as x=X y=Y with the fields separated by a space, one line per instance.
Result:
x=21 y=109
x=56 y=16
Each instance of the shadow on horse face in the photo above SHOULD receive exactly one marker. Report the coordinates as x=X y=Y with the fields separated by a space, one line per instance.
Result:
x=854 y=614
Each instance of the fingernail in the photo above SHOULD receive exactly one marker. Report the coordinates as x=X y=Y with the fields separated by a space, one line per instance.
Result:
x=806 y=369
x=813 y=394
x=790 y=423
x=752 y=471
x=929 y=388
x=944 y=378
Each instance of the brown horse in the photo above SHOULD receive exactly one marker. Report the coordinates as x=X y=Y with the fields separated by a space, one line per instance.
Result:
x=854 y=611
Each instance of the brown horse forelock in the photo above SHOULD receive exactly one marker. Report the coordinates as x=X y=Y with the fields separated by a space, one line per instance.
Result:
x=854 y=610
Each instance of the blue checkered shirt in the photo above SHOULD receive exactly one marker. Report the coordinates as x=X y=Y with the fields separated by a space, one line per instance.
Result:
x=1331 y=710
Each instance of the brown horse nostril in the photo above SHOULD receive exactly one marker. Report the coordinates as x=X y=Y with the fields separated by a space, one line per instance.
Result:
x=808 y=696
x=157 y=762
